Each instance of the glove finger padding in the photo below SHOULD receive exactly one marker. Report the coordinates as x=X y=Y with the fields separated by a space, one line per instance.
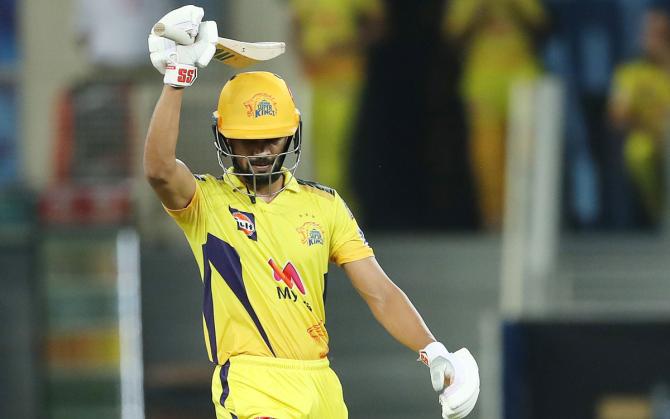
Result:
x=465 y=380
x=460 y=397
x=470 y=405
x=202 y=51
x=448 y=412
x=184 y=23
x=162 y=51
x=208 y=35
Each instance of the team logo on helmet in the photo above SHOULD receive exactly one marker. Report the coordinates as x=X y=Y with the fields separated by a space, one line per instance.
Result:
x=261 y=104
x=246 y=223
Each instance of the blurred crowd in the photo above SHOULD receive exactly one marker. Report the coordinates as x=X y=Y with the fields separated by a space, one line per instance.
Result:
x=409 y=102
x=429 y=139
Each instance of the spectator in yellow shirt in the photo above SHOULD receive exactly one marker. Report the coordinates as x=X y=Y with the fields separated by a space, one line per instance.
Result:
x=640 y=107
x=332 y=36
x=494 y=36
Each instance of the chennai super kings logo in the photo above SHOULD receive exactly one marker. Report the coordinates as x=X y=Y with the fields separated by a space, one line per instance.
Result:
x=261 y=104
x=310 y=233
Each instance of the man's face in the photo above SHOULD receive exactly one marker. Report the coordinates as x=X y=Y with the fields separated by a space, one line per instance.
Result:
x=656 y=33
x=262 y=160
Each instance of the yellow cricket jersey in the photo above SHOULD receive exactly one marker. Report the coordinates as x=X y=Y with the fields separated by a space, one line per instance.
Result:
x=499 y=51
x=328 y=23
x=264 y=266
x=645 y=90
x=329 y=35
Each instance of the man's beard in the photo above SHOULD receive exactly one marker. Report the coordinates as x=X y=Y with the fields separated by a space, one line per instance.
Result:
x=261 y=179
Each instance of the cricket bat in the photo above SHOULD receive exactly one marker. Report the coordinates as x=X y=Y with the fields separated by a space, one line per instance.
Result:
x=240 y=54
x=171 y=32
x=233 y=53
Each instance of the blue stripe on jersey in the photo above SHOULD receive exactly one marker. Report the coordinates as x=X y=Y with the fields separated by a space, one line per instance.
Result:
x=208 y=307
x=224 y=383
x=226 y=261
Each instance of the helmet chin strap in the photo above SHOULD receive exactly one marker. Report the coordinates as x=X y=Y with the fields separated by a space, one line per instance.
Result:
x=251 y=179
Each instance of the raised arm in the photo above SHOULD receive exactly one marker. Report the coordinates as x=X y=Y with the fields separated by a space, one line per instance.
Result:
x=170 y=178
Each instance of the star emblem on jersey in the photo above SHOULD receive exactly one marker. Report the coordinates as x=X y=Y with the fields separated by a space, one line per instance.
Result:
x=246 y=222
x=310 y=233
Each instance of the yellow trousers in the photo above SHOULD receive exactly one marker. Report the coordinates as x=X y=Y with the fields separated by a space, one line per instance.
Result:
x=250 y=387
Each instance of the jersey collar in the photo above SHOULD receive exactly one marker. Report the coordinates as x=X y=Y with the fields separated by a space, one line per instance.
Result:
x=290 y=181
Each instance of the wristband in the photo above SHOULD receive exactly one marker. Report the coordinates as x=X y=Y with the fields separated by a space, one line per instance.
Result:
x=432 y=351
x=180 y=75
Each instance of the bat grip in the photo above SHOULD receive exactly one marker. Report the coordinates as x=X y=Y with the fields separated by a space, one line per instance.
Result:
x=171 y=32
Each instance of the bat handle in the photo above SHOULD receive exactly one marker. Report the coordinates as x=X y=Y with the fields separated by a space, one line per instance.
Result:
x=171 y=32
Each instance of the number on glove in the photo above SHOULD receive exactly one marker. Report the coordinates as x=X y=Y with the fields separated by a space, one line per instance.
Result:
x=187 y=75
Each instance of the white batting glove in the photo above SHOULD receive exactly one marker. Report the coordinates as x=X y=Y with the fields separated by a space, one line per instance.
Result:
x=180 y=25
x=178 y=62
x=455 y=376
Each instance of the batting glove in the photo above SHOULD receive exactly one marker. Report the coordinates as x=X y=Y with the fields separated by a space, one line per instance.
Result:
x=455 y=376
x=178 y=61
x=180 y=25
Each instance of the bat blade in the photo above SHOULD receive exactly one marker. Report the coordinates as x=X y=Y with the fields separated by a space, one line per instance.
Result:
x=240 y=54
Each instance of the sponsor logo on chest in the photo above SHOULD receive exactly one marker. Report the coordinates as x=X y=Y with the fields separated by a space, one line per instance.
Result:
x=246 y=223
x=292 y=287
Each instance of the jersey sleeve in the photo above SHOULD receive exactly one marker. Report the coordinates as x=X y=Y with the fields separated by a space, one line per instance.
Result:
x=192 y=219
x=347 y=242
